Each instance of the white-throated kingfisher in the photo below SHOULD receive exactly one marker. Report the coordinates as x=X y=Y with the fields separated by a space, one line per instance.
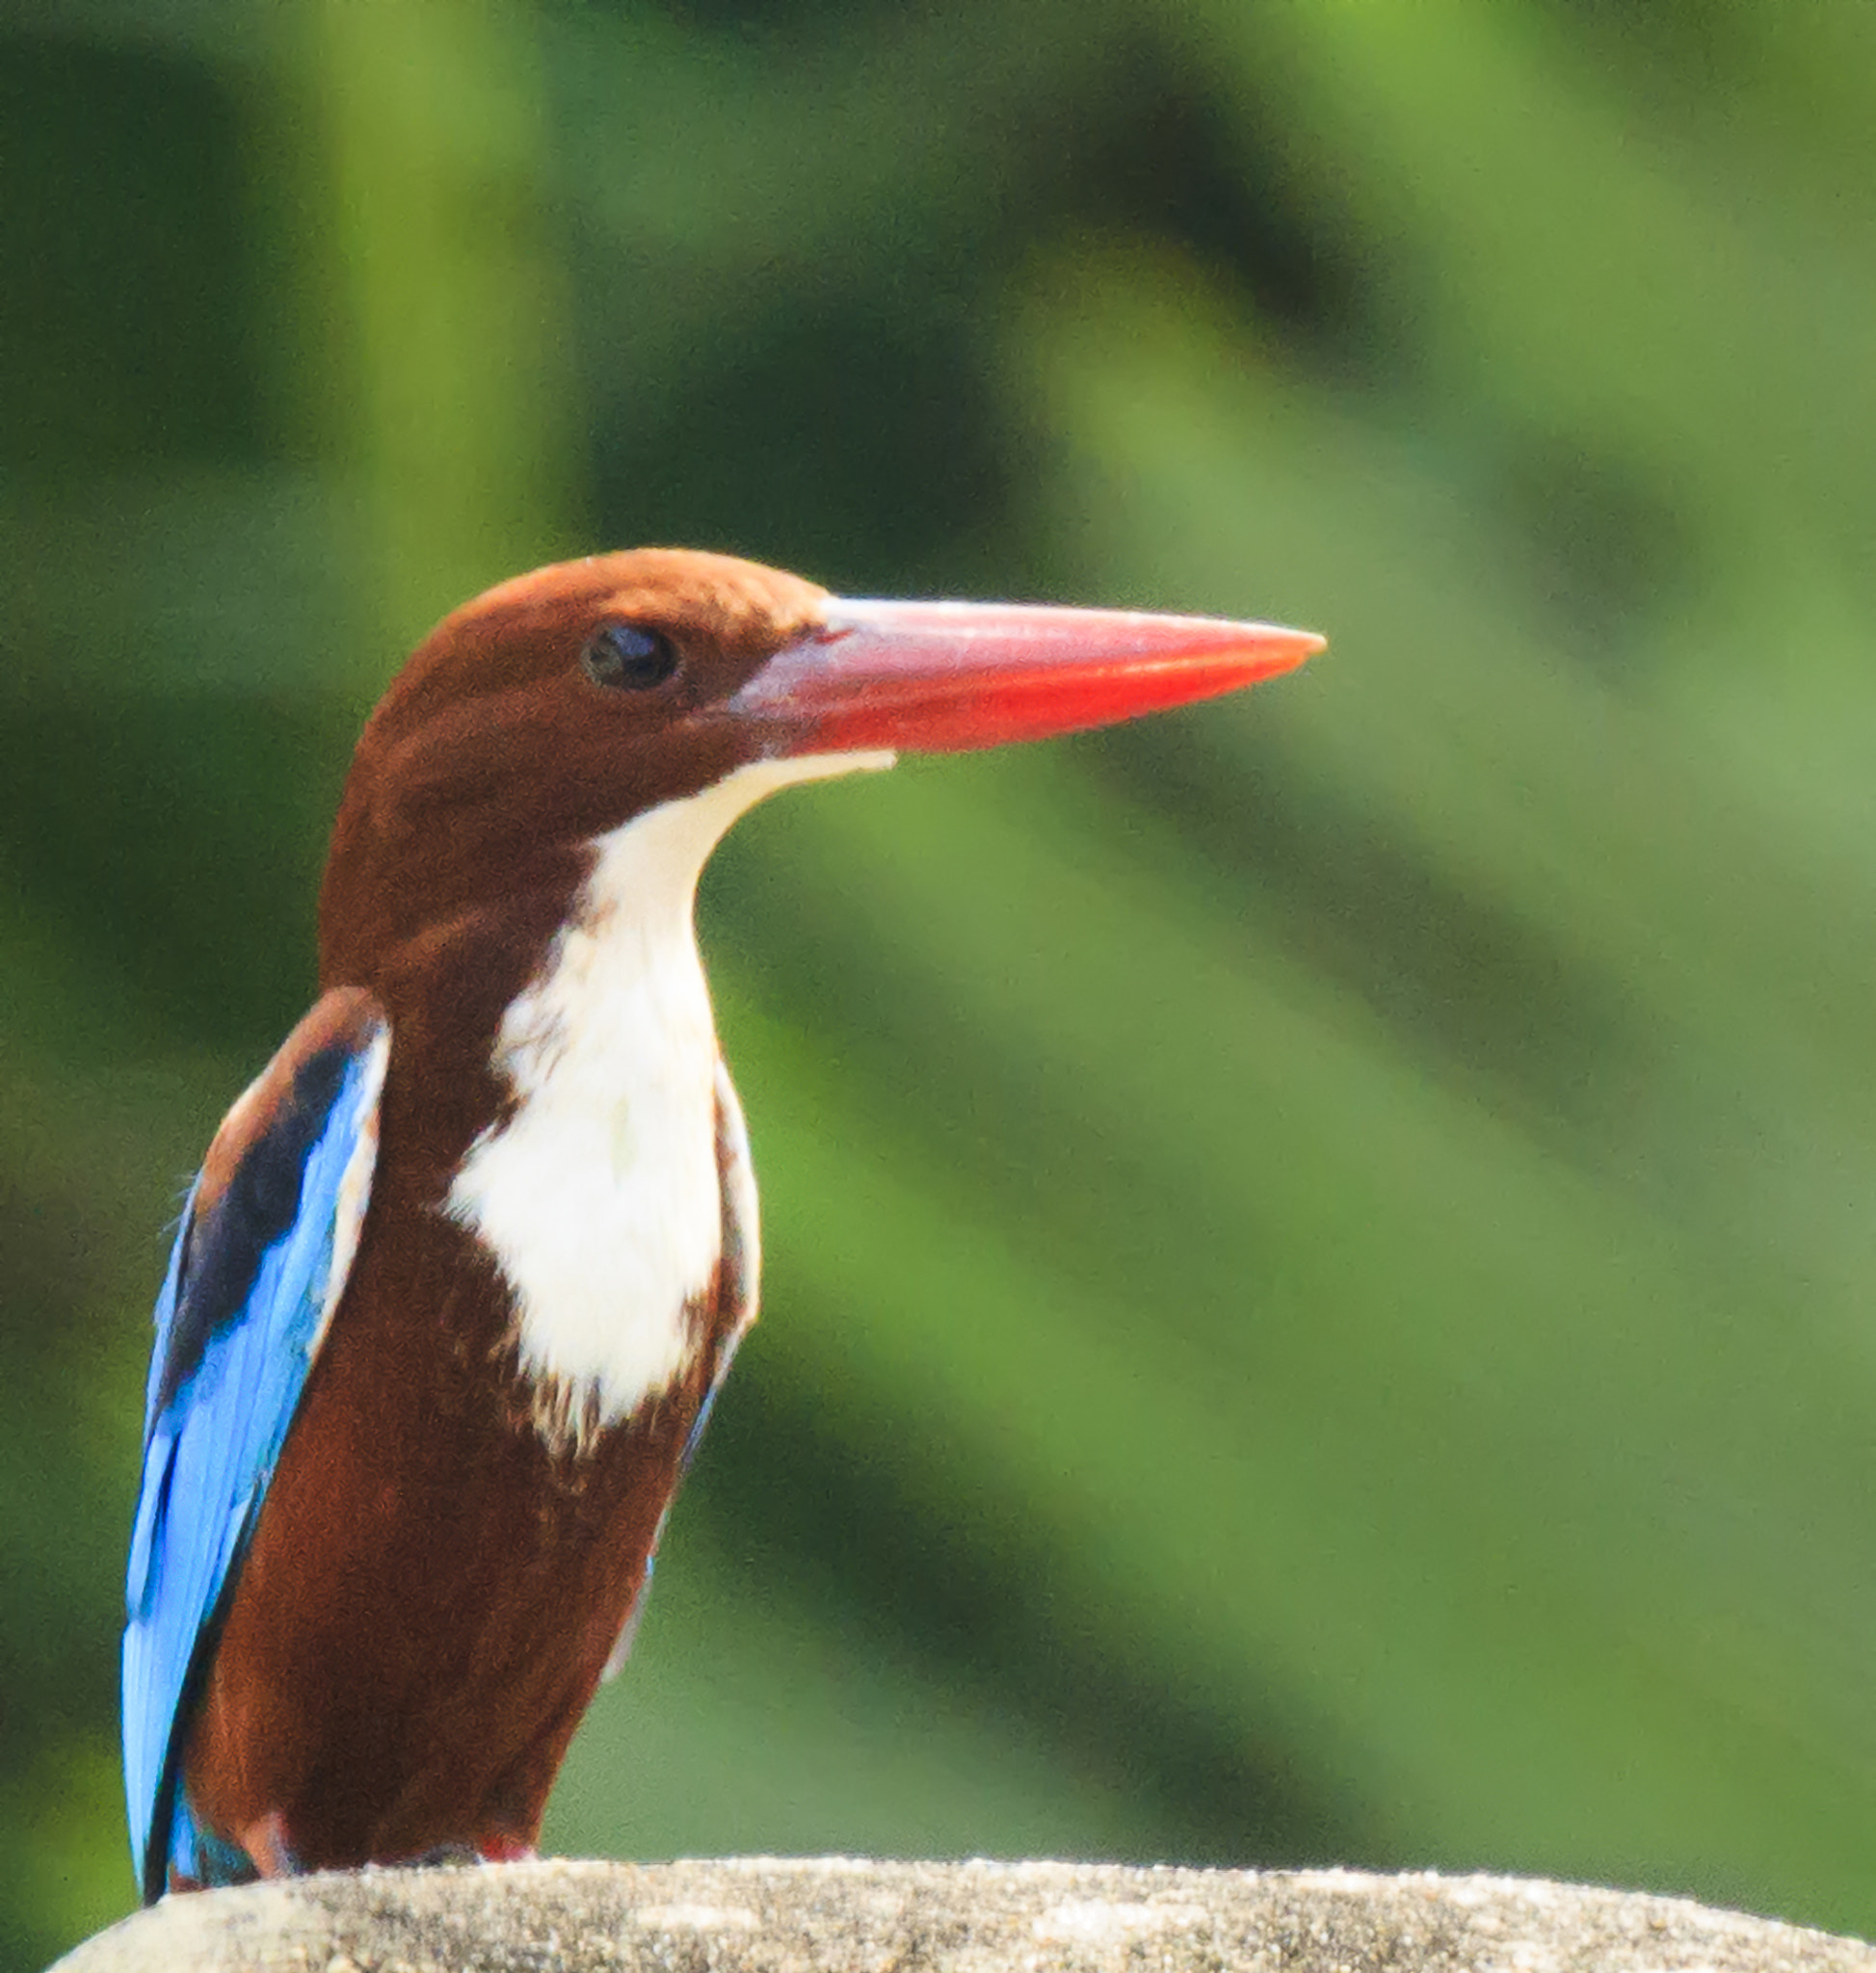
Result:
x=463 y=1267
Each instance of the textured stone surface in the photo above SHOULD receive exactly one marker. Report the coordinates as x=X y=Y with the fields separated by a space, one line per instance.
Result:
x=854 y=1917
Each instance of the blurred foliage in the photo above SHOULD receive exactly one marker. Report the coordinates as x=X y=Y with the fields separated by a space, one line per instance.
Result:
x=1321 y=1250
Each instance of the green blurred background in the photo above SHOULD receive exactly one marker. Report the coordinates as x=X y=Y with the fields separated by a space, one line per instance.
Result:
x=1321 y=1250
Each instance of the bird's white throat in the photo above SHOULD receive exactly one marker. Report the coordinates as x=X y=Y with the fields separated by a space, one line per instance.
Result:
x=598 y=1196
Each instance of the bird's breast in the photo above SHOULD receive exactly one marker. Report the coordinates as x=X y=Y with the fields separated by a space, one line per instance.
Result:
x=598 y=1193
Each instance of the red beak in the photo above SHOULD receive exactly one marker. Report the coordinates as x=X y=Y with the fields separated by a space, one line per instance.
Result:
x=941 y=677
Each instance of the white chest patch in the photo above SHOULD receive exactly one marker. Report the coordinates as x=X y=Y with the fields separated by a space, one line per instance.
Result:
x=600 y=1196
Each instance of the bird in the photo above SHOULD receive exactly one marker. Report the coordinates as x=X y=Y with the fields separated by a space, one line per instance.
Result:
x=464 y=1266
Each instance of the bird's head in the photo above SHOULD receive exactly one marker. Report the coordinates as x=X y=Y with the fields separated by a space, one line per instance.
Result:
x=558 y=707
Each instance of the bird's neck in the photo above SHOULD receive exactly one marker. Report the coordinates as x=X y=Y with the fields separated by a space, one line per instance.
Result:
x=553 y=1089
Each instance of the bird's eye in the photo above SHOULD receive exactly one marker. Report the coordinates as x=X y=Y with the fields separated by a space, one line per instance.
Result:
x=628 y=658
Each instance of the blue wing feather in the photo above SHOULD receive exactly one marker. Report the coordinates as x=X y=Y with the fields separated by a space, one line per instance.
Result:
x=258 y=1263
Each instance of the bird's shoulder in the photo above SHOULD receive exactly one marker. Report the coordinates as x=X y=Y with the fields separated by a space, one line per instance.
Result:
x=260 y=1180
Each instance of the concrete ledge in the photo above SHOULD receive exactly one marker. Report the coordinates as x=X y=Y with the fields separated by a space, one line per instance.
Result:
x=771 y=1916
